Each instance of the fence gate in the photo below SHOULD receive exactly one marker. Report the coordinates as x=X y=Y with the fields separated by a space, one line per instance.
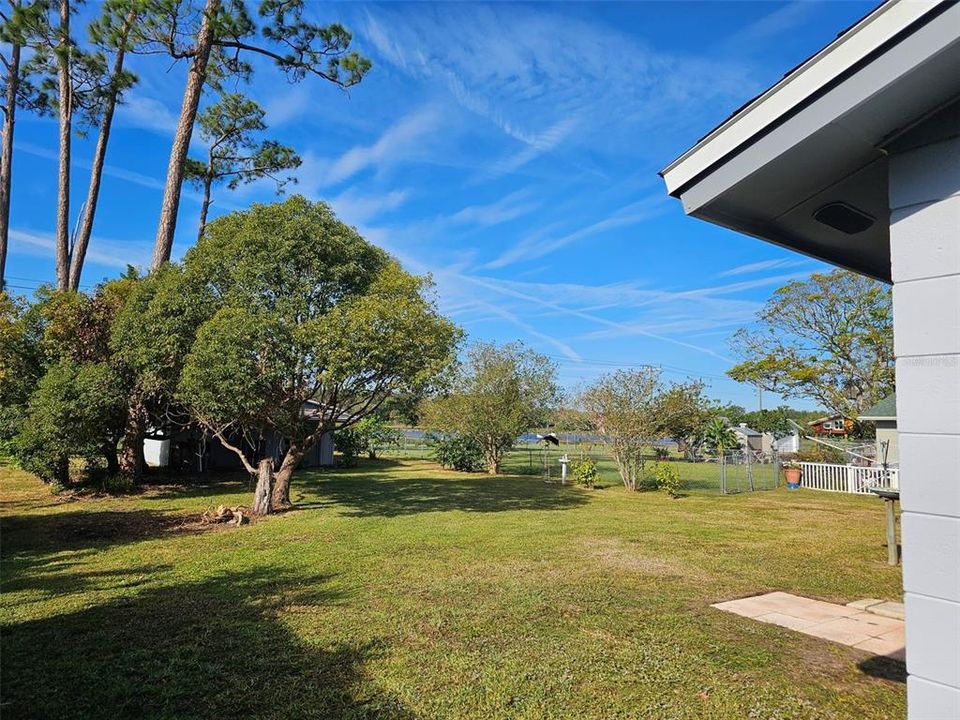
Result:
x=748 y=472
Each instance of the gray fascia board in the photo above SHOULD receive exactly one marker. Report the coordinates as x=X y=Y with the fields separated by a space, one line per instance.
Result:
x=831 y=107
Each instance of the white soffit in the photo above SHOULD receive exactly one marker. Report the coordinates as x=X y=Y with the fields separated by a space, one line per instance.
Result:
x=851 y=48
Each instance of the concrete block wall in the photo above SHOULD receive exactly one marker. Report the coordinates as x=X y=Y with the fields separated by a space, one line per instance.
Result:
x=925 y=256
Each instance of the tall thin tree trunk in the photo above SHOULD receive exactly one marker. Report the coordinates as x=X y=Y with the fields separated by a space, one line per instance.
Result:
x=205 y=207
x=281 y=481
x=63 y=175
x=196 y=77
x=99 y=155
x=6 y=161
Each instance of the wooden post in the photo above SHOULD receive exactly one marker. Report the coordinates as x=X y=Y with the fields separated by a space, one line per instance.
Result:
x=892 y=554
x=261 y=496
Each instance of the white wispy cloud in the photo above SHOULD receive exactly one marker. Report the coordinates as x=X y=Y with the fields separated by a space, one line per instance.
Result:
x=763 y=265
x=510 y=207
x=781 y=20
x=401 y=140
x=538 y=245
x=536 y=146
x=523 y=68
x=573 y=312
x=147 y=113
x=129 y=176
x=356 y=209
x=103 y=251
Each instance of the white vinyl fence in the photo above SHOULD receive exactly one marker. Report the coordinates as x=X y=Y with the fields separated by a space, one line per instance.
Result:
x=847 y=478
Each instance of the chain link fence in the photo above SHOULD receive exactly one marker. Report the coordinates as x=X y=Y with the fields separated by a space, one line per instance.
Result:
x=749 y=472
x=735 y=472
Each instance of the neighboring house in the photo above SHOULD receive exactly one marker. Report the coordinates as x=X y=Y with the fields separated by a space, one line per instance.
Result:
x=194 y=450
x=854 y=158
x=836 y=425
x=749 y=438
x=884 y=416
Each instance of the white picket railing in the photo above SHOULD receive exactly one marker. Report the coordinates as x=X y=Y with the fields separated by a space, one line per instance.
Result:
x=847 y=478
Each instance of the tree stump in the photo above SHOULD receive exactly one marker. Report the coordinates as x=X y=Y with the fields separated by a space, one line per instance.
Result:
x=261 y=496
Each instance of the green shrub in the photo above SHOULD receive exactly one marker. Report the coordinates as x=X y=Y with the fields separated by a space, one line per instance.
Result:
x=661 y=453
x=371 y=435
x=349 y=442
x=585 y=472
x=668 y=479
x=457 y=452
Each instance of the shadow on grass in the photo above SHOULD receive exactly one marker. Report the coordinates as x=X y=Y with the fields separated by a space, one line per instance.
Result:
x=885 y=668
x=211 y=649
x=365 y=495
x=83 y=528
x=59 y=577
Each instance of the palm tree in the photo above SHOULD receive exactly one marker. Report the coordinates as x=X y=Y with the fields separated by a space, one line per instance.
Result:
x=719 y=438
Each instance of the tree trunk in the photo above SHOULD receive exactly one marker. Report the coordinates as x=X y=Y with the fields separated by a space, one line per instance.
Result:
x=281 y=485
x=131 y=455
x=61 y=471
x=196 y=77
x=262 y=501
x=6 y=161
x=110 y=455
x=63 y=175
x=96 y=171
x=205 y=206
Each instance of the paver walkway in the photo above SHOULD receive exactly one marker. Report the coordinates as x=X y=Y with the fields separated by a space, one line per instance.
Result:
x=845 y=624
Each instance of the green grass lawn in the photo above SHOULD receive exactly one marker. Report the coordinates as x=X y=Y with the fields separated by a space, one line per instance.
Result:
x=399 y=590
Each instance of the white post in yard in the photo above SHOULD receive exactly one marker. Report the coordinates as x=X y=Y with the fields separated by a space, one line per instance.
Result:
x=564 y=461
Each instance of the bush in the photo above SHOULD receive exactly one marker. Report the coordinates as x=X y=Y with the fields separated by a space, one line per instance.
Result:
x=668 y=479
x=817 y=453
x=585 y=472
x=661 y=453
x=457 y=452
x=349 y=442
x=369 y=436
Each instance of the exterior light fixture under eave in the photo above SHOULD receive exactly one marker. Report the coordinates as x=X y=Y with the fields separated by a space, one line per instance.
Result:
x=845 y=218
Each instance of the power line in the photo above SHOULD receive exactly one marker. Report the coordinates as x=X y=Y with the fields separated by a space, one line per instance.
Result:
x=37 y=283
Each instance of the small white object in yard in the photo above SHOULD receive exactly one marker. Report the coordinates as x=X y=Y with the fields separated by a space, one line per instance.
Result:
x=564 y=461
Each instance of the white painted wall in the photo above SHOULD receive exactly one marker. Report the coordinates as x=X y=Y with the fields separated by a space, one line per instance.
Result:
x=925 y=255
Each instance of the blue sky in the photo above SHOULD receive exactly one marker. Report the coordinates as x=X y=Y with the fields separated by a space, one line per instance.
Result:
x=510 y=150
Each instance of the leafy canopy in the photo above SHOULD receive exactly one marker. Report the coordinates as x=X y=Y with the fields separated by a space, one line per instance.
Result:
x=498 y=393
x=230 y=130
x=303 y=308
x=829 y=338
x=632 y=410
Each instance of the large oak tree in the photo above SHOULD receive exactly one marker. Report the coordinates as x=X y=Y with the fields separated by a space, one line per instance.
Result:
x=302 y=309
x=828 y=339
